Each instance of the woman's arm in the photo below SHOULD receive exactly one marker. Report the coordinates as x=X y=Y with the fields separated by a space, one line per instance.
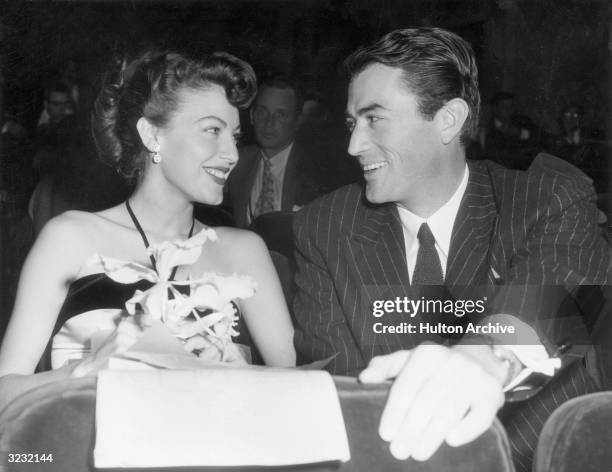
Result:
x=53 y=261
x=265 y=313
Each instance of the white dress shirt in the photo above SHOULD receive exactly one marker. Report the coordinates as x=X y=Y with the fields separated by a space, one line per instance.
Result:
x=440 y=223
x=279 y=164
x=533 y=356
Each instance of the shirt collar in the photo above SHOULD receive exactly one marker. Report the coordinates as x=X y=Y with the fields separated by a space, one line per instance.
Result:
x=440 y=223
x=280 y=158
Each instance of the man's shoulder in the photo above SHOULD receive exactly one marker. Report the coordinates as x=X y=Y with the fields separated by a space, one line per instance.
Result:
x=547 y=174
x=339 y=210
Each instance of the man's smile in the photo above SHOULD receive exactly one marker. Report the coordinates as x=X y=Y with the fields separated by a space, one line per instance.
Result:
x=367 y=168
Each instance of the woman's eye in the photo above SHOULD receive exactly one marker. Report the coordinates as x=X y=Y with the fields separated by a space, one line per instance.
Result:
x=213 y=130
x=237 y=138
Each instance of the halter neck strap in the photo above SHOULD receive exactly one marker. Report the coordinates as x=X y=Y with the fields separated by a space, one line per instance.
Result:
x=146 y=241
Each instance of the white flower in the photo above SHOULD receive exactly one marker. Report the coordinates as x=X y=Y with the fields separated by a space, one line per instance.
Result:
x=215 y=291
x=168 y=255
x=207 y=316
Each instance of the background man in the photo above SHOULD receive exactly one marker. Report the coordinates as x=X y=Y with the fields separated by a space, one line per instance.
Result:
x=266 y=178
x=425 y=218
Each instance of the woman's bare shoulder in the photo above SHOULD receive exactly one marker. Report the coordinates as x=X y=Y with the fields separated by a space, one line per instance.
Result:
x=239 y=240
x=79 y=228
x=234 y=250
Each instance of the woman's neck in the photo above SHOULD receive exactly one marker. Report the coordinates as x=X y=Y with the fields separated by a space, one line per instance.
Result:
x=162 y=217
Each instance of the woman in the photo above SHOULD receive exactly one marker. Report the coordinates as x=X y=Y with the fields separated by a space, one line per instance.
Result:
x=172 y=123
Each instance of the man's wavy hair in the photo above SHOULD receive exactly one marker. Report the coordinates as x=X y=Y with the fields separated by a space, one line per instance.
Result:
x=438 y=66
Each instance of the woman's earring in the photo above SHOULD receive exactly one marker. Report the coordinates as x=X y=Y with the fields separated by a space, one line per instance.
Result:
x=156 y=158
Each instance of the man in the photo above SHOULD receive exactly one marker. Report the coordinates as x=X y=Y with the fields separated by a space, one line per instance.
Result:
x=426 y=218
x=58 y=129
x=510 y=138
x=266 y=178
x=58 y=104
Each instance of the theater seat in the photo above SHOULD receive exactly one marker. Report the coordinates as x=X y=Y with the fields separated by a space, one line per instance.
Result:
x=577 y=436
x=285 y=270
x=58 y=419
x=212 y=215
x=276 y=229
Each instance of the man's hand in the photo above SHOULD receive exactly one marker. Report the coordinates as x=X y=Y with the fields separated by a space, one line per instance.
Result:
x=439 y=394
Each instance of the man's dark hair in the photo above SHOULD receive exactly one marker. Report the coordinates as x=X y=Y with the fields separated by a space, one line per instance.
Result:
x=282 y=81
x=438 y=66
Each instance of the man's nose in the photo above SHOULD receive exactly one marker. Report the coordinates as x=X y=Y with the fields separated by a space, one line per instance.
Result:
x=269 y=121
x=358 y=142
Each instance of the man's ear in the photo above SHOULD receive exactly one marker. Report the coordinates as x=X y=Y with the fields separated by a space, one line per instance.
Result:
x=450 y=119
x=148 y=134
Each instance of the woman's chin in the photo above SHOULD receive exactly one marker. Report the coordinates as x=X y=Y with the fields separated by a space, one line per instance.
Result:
x=212 y=200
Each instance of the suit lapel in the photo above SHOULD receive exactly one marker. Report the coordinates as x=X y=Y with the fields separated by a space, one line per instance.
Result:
x=377 y=248
x=290 y=180
x=380 y=242
x=253 y=160
x=469 y=253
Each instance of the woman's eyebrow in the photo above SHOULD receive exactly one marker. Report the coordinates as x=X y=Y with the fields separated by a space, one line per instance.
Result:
x=213 y=117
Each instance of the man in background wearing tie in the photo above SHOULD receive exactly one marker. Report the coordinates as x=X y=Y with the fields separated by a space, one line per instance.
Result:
x=424 y=218
x=265 y=178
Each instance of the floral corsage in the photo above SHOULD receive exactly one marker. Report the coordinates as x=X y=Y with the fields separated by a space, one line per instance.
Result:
x=200 y=312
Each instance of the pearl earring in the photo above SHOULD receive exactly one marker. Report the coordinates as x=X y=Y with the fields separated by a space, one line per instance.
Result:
x=156 y=158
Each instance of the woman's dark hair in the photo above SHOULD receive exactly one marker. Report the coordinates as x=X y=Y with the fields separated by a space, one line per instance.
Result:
x=438 y=66
x=148 y=86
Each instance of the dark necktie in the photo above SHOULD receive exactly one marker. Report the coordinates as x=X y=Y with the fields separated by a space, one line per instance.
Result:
x=428 y=270
x=265 y=202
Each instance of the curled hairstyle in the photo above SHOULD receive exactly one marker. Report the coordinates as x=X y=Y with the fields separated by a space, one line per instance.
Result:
x=438 y=66
x=148 y=86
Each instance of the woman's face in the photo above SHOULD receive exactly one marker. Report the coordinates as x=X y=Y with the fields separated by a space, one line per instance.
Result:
x=198 y=145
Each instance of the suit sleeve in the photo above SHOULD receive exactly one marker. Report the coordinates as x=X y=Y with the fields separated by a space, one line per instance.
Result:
x=552 y=274
x=321 y=329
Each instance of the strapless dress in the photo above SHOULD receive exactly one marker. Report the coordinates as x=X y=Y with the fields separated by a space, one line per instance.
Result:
x=91 y=310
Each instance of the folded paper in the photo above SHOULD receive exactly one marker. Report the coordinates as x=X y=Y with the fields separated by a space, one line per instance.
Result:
x=217 y=417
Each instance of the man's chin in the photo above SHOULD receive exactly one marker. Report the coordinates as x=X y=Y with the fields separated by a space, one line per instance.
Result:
x=374 y=197
x=267 y=142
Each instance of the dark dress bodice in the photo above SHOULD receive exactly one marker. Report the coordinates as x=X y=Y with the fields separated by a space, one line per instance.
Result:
x=93 y=292
x=98 y=291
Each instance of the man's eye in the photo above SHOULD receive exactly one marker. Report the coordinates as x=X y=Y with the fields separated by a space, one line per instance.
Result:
x=350 y=125
x=372 y=119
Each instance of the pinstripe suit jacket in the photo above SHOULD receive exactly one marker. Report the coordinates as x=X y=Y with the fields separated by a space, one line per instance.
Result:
x=516 y=232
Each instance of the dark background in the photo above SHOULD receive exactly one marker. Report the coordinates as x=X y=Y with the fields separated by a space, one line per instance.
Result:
x=546 y=52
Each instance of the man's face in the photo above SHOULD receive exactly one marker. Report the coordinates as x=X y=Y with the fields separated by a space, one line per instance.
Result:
x=58 y=105
x=398 y=150
x=571 y=119
x=274 y=116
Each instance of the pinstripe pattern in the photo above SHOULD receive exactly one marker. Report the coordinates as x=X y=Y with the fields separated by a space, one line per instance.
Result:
x=518 y=231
